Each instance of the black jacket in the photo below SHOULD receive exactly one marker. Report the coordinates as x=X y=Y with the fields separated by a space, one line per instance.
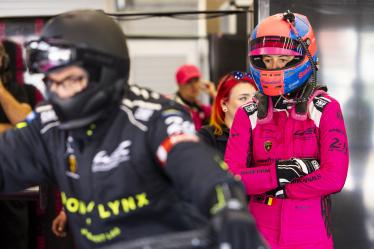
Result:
x=219 y=142
x=135 y=174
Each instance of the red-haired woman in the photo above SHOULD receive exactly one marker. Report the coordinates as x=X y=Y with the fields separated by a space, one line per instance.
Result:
x=234 y=90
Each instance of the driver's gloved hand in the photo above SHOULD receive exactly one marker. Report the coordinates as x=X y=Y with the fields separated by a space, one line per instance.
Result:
x=288 y=170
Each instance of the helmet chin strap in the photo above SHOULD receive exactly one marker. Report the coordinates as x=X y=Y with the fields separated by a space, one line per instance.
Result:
x=302 y=101
x=264 y=111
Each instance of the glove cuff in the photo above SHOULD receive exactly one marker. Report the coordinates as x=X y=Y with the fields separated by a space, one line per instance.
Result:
x=279 y=192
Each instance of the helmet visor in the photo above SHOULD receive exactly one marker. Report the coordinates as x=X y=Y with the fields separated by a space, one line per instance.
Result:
x=41 y=56
x=275 y=45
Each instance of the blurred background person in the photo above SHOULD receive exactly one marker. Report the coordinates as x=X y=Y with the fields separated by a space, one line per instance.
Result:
x=16 y=70
x=234 y=90
x=14 y=107
x=190 y=86
x=13 y=98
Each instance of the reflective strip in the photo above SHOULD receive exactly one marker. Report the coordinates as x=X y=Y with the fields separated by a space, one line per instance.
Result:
x=21 y=125
x=49 y=126
x=43 y=108
x=170 y=142
x=141 y=103
x=133 y=120
x=221 y=201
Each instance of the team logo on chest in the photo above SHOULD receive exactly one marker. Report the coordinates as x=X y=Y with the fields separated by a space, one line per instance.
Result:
x=104 y=162
x=268 y=145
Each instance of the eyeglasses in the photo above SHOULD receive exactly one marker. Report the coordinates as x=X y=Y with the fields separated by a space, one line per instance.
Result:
x=66 y=81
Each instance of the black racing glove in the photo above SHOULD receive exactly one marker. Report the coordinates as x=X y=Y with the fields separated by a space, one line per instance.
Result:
x=231 y=223
x=288 y=170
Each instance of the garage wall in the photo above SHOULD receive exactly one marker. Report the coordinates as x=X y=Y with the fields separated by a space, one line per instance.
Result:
x=18 y=8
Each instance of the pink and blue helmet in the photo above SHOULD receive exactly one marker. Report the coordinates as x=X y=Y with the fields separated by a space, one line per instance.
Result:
x=276 y=36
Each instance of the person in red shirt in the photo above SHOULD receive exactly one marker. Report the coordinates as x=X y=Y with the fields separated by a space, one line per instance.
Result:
x=190 y=85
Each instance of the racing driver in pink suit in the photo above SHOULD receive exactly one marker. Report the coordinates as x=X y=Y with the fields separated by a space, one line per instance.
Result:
x=289 y=146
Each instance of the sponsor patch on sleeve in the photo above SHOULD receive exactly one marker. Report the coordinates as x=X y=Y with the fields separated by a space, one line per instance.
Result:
x=316 y=109
x=176 y=123
x=250 y=108
x=320 y=103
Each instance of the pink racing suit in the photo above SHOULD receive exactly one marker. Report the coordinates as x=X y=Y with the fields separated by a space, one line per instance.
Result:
x=302 y=218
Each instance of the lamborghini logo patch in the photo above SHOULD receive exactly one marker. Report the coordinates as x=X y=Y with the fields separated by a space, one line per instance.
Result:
x=268 y=145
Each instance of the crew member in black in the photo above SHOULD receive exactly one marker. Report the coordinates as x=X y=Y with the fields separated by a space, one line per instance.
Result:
x=127 y=161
